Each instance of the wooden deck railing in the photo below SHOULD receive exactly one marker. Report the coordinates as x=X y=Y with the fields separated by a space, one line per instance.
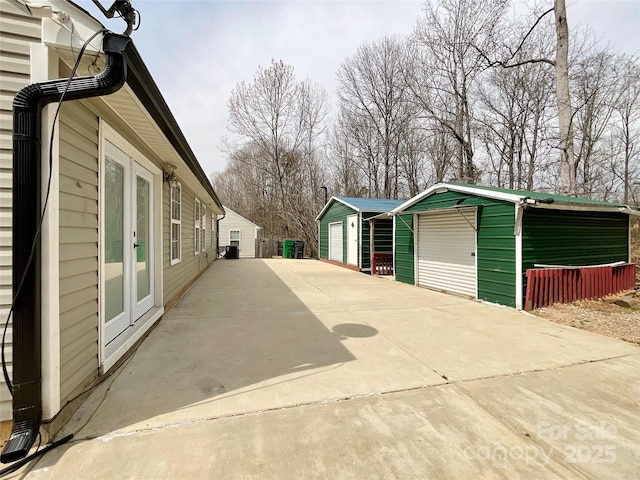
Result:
x=546 y=286
x=382 y=263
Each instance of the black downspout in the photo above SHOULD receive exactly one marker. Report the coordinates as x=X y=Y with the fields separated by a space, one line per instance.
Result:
x=218 y=232
x=27 y=110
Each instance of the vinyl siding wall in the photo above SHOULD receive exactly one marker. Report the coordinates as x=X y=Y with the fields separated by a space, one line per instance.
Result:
x=233 y=221
x=179 y=276
x=79 y=292
x=16 y=33
x=337 y=212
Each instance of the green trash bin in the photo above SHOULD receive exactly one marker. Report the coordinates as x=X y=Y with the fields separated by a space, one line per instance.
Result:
x=287 y=248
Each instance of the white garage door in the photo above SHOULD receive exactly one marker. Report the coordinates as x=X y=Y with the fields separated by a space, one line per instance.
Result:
x=335 y=242
x=447 y=251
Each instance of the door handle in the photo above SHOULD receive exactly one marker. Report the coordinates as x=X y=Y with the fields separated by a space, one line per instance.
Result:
x=136 y=245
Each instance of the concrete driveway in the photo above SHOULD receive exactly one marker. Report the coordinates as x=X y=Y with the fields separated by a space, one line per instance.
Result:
x=300 y=369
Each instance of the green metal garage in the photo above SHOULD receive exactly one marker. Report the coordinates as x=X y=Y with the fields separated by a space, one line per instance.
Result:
x=344 y=230
x=479 y=241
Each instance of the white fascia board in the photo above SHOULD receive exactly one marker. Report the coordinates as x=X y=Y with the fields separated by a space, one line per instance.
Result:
x=330 y=201
x=44 y=66
x=257 y=227
x=383 y=215
x=73 y=32
x=445 y=187
x=586 y=208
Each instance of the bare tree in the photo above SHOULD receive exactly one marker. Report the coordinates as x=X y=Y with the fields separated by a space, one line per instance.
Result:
x=277 y=168
x=563 y=94
x=626 y=131
x=447 y=64
x=373 y=98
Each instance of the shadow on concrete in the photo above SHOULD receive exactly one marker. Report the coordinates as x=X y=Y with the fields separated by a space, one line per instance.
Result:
x=354 y=330
x=239 y=328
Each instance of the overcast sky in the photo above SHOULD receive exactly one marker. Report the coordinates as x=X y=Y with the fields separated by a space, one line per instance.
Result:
x=197 y=51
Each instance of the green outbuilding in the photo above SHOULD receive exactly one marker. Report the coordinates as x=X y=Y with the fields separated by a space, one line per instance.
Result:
x=479 y=241
x=344 y=230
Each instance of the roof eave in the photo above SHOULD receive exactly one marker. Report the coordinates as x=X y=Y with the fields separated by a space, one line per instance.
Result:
x=145 y=88
x=337 y=199
x=445 y=187
x=586 y=208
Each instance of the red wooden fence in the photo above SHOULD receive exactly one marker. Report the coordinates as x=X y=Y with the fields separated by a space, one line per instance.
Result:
x=564 y=285
x=381 y=263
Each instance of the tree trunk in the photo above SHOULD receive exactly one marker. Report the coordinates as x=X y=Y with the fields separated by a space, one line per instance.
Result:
x=567 y=161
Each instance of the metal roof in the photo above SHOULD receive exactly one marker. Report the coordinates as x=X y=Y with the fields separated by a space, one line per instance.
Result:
x=370 y=204
x=375 y=205
x=531 y=199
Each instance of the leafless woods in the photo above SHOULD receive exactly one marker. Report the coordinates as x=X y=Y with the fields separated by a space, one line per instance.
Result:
x=472 y=95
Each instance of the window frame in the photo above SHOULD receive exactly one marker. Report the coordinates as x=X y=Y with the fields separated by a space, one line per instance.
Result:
x=239 y=238
x=203 y=228
x=173 y=221
x=197 y=218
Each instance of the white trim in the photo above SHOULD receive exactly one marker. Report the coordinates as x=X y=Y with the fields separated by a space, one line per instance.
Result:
x=327 y=205
x=415 y=248
x=203 y=227
x=173 y=222
x=513 y=198
x=258 y=227
x=393 y=246
x=319 y=231
x=445 y=187
x=44 y=66
x=121 y=345
x=587 y=208
x=476 y=229
x=102 y=335
x=197 y=218
x=109 y=354
x=352 y=207
x=629 y=240
x=519 y=214
x=360 y=242
x=239 y=238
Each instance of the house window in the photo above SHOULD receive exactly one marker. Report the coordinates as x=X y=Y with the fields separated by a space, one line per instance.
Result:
x=234 y=238
x=203 y=230
x=176 y=224
x=197 y=220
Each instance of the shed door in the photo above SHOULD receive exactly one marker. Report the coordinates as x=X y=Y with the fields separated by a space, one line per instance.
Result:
x=447 y=251
x=335 y=242
x=352 y=240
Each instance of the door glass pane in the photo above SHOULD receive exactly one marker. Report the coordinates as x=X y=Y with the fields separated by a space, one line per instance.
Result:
x=114 y=236
x=143 y=276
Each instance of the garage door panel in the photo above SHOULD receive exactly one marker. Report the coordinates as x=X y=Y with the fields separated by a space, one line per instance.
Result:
x=446 y=251
x=335 y=242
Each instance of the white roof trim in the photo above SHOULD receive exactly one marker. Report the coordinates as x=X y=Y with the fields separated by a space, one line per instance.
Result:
x=445 y=187
x=258 y=227
x=587 y=208
x=337 y=200
x=510 y=197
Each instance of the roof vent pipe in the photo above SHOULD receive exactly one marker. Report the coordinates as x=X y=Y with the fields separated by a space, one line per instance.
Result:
x=27 y=110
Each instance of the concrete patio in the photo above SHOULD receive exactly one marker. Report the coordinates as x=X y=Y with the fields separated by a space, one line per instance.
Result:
x=300 y=369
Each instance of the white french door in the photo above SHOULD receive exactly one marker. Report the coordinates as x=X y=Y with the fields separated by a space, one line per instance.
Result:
x=128 y=241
